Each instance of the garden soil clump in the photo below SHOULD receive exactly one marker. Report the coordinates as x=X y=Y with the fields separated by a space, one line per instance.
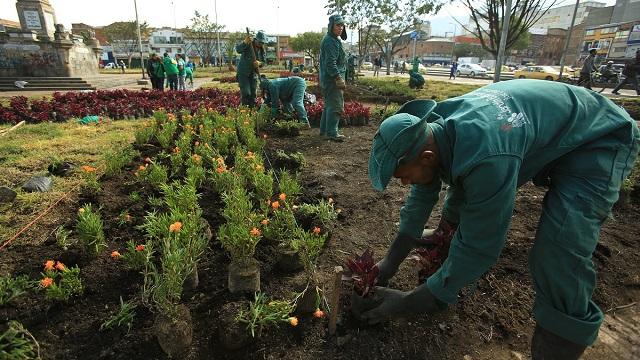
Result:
x=494 y=315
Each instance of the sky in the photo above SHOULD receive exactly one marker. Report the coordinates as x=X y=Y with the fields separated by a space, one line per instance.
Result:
x=273 y=16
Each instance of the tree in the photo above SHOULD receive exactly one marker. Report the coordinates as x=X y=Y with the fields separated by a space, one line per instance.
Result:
x=309 y=43
x=202 y=36
x=487 y=19
x=469 y=50
x=386 y=23
x=233 y=38
x=123 y=37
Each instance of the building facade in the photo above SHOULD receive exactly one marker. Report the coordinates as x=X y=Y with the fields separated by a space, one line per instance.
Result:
x=560 y=17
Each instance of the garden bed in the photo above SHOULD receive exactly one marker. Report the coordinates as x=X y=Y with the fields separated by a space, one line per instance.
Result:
x=496 y=316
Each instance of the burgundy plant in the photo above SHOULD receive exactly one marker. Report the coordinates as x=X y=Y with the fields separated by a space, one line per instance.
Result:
x=362 y=271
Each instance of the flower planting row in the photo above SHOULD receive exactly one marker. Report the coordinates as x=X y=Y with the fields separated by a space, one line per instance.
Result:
x=206 y=151
x=355 y=114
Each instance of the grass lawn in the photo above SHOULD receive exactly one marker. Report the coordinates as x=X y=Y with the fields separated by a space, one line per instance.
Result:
x=436 y=90
x=28 y=151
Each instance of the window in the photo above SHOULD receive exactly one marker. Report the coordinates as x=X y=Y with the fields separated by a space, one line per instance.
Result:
x=608 y=30
x=623 y=34
x=589 y=32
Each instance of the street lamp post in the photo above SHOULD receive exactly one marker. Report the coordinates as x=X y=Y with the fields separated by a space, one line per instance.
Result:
x=454 y=42
x=215 y=9
x=144 y=80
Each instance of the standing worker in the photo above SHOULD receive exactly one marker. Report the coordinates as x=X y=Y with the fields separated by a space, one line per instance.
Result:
x=249 y=65
x=351 y=69
x=155 y=69
x=289 y=91
x=485 y=144
x=171 y=69
x=332 y=75
x=182 y=73
x=631 y=71
x=588 y=67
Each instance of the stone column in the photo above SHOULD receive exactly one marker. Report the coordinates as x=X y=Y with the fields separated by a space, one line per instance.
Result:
x=37 y=15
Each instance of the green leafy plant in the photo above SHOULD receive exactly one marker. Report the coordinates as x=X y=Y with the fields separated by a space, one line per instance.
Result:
x=62 y=237
x=323 y=212
x=154 y=174
x=123 y=317
x=90 y=230
x=13 y=287
x=60 y=282
x=264 y=313
x=138 y=256
x=135 y=196
x=289 y=185
x=144 y=135
x=165 y=286
x=239 y=235
x=91 y=184
x=166 y=133
x=18 y=343
x=155 y=202
x=115 y=160
x=288 y=127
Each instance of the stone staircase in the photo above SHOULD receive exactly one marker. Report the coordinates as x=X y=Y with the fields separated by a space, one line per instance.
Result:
x=45 y=84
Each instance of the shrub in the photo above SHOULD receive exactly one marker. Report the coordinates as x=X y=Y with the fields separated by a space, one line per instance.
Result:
x=90 y=230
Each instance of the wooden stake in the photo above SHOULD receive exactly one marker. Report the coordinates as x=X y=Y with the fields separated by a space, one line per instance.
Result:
x=334 y=302
x=5 y=132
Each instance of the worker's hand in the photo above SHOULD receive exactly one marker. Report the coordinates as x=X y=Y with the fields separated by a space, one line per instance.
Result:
x=441 y=235
x=398 y=251
x=257 y=64
x=248 y=40
x=340 y=84
x=397 y=304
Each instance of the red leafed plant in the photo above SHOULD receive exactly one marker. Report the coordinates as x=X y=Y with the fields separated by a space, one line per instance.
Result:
x=362 y=271
x=431 y=257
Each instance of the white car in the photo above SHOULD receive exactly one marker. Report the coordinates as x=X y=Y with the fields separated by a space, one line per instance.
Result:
x=367 y=65
x=113 y=66
x=471 y=70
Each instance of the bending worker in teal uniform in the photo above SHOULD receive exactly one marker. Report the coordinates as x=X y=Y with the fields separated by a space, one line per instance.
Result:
x=416 y=80
x=248 y=68
x=332 y=77
x=485 y=144
x=289 y=91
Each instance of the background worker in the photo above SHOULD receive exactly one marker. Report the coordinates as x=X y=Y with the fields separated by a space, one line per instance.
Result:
x=248 y=68
x=332 y=77
x=171 y=70
x=416 y=80
x=289 y=91
x=485 y=144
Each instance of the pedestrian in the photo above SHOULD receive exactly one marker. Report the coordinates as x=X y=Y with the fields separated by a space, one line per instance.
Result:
x=171 y=70
x=587 y=68
x=454 y=69
x=189 y=75
x=403 y=68
x=122 y=66
x=485 y=144
x=396 y=67
x=290 y=92
x=182 y=73
x=252 y=55
x=351 y=69
x=332 y=75
x=631 y=71
x=156 y=72
x=376 y=66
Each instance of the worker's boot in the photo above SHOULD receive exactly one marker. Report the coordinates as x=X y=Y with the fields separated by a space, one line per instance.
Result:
x=548 y=346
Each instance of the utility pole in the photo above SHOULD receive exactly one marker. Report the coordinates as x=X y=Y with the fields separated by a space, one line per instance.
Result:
x=566 y=43
x=144 y=80
x=503 y=42
x=215 y=9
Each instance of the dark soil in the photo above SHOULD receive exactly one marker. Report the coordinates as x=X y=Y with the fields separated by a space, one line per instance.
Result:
x=496 y=314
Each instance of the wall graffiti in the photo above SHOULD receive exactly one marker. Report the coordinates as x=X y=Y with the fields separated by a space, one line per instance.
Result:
x=27 y=60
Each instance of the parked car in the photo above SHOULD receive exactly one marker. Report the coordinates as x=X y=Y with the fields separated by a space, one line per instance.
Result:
x=471 y=70
x=367 y=65
x=110 y=66
x=539 y=72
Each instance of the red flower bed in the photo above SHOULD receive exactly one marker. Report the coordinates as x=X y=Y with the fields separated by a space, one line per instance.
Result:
x=308 y=77
x=354 y=113
x=116 y=104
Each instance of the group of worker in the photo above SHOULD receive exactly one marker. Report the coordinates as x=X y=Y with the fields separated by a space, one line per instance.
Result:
x=484 y=145
x=176 y=71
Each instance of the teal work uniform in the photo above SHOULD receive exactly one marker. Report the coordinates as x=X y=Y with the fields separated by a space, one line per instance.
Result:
x=246 y=73
x=416 y=80
x=289 y=91
x=332 y=66
x=493 y=140
x=171 y=69
x=189 y=74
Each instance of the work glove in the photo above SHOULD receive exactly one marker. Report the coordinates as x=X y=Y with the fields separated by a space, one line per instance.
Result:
x=257 y=64
x=398 y=304
x=248 y=40
x=396 y=254
x=439 y=236
x=340 y=84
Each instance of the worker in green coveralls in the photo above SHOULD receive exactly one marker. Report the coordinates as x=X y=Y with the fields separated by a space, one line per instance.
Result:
x=485 y=144
x=289 y=91
x=332 y=77
x=248 y=67
x=416 y=80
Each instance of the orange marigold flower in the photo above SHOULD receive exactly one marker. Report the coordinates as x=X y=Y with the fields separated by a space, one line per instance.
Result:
x=265 y=222
x=46 y=282
x=220 y=161
x=115 y=254
x=293 y=321
x=141 y=168
x=282 y=196
x=220 y=170
x=316 y=230
x=48 y=265
x=318 y=314
x=255 y=232
x=275 y=204
x=207 y=145
x=87 y=168
x=140 y=247
x=175 y=227
x=176 y=149
x=60 y=266
x=196 y=158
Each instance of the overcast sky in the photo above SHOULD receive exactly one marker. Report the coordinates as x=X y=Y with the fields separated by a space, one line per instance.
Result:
x=274 y=16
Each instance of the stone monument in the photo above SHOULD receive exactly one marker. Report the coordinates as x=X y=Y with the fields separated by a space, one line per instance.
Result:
x=43 y=48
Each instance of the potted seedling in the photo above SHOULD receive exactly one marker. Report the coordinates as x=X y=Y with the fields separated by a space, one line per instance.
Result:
x=239 y=235
x=362 y=271
x=309 y=245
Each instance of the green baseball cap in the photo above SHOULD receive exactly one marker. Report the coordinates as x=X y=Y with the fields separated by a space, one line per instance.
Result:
x=399 y=138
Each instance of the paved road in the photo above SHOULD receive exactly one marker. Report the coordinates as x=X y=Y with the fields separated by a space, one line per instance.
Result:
x=479 y=81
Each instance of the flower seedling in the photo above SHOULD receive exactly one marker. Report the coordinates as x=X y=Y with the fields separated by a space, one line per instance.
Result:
x=90 y=230
x=60 y=282
x=265 y=313
x=362 y=271
x=13 y=287
x=123 y=317
x=18 y=343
